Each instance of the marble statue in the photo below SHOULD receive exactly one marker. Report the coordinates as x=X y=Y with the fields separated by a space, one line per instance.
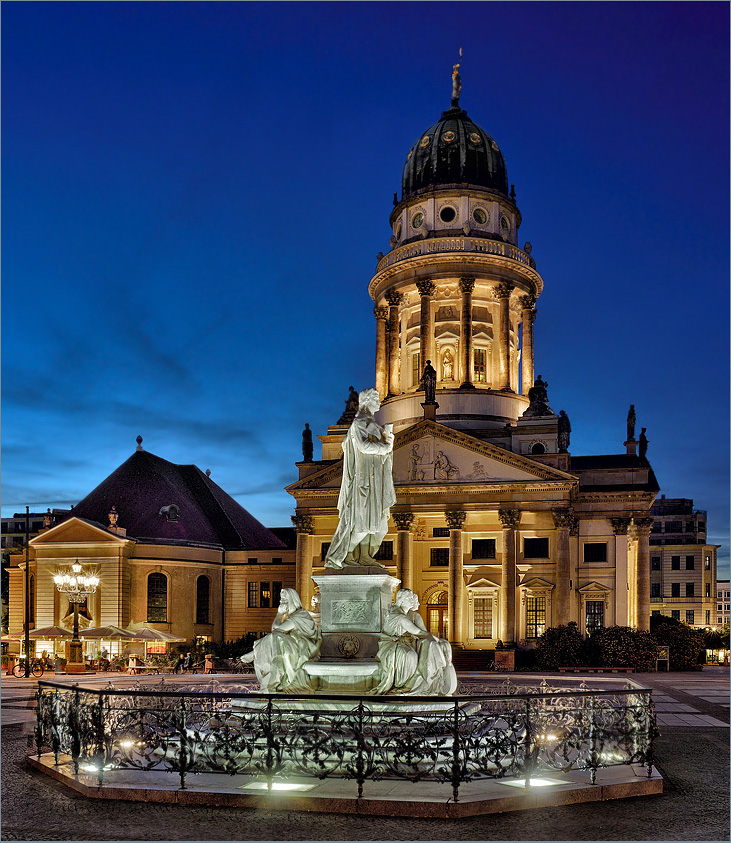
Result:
x=564 y=432
x=448 y=366
x=366 y=490
x=412 y=660
x=429 y=383
x=307 y=449
x=643 y=444
x=280 y=656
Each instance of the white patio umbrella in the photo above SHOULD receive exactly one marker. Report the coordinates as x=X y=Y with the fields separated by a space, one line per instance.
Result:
x=50 y=632
x=146 y=634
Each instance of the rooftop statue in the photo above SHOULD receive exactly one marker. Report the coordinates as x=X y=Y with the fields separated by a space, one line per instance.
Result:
x=280 y=656
x=366 y=490
x=413 y=661
x=429 y=383
x=538 y=397
x=643 y=443
x=351 y=407
x=631 y=421
x=564 y=432
x=307 y=447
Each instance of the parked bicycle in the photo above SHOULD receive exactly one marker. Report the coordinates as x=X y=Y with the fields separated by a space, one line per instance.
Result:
x=36 y=668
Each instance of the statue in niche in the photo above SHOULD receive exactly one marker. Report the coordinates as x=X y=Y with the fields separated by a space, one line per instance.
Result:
x=564 y=432
x=448 y=366
x=643 y=443
x=429 y=383
x=307 y=449
x=412 y=660
x=415 y=473
x=351 y=407
x=538 y=397
x=631 y=421
x=443 y=468
x=279 y=657
x=366 y=490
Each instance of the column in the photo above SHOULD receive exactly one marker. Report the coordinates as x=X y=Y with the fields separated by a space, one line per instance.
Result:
x=642 y=614
x=303 y=525
x=394 y=300
x=466 y=286
x=563 y=518
x=502 y=294
x=510 y=519
x=527 y=304
x=426 y=290
x=621 y=609
x=455 y=597
x=403 y=521
x=381 y=314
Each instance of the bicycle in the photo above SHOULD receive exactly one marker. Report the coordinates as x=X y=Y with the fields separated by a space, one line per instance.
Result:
x=36 y=668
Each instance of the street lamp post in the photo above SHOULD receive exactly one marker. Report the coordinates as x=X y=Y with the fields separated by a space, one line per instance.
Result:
x=77 y=585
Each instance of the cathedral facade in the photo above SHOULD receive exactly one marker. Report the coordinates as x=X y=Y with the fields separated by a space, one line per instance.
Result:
x=498 y=528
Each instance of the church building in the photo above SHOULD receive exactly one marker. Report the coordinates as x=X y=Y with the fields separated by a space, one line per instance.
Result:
x=498 y=528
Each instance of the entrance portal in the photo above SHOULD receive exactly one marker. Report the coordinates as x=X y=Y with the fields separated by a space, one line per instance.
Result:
x=437 y=618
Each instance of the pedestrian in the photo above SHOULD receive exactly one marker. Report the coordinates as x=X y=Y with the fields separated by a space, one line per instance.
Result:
x=188 y=665
x=179 y=664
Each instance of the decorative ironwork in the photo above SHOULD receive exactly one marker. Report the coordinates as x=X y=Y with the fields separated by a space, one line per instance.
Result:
x=488 y=731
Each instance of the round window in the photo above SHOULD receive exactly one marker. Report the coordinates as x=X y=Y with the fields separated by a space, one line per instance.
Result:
x=411 y=152
x=417 y=220
x=447 y=214
x=425 y=141
x=475 y=138
x=480 y=216
x=449 y=137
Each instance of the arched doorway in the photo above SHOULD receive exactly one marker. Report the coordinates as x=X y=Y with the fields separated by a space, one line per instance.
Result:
x=437 y=621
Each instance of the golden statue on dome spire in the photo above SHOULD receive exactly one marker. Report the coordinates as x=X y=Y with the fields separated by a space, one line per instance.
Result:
x=456 y=82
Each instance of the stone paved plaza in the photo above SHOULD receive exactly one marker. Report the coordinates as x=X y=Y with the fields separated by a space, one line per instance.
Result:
x=692 y=754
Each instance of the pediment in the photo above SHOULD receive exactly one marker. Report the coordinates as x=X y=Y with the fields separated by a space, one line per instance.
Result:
x=429 y=453
x=485 y=577
x=77 y=530
x=593 y=588
x=537 y=584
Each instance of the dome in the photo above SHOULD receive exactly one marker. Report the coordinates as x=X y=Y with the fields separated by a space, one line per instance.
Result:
x=454 y=151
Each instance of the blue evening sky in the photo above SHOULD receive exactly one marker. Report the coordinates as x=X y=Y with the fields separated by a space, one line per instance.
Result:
x=194 y=195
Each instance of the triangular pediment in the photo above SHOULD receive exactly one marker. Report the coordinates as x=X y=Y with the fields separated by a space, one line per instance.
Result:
x=485 y=577
x=594 y=587
x=537 y=584
x=429 y=453
x=77 y=530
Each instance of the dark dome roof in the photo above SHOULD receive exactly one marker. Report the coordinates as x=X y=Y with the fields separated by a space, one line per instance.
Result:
x=146 y=483
x=454 y=151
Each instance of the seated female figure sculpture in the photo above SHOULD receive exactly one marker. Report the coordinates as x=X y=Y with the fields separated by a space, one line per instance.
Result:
x=366 y=490
x=413 y=661
x=279 y=657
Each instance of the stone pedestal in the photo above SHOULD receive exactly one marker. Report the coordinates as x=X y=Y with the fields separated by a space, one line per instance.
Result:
x=353 y=604
x=75 y=663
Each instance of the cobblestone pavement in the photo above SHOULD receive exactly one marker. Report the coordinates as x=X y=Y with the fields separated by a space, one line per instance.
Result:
x=692 y=757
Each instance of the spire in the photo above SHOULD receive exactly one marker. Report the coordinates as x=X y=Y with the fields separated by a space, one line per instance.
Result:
x=456 y=82
x=139 y=444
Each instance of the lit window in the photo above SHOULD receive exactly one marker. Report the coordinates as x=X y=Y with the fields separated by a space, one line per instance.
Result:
x=202 y=600
x=483 y=617
x=415 y=368
x=708 y=589
x=689 y=616
x=594 y=615
x=535 y=616
x=708 y=563
x=480 y=365
x=265 y=596
x=157 y=598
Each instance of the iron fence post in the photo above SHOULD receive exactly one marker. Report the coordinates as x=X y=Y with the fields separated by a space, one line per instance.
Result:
x=74 y=729
x=528 y=764
x=183 y=755
x=360 y=761
x=593 y=760
x=40 y=709
x=456 y=769
x=99 y=730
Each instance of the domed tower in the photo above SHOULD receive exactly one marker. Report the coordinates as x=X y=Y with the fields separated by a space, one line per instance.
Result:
x=455 y=288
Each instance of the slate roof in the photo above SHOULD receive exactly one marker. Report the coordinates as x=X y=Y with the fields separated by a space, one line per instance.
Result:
x=615 y=462
x=145 y=483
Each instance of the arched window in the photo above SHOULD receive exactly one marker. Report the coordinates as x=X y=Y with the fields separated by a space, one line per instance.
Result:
x=157 y=598
x=202 y=599
x=32 y=599
x=538 y=448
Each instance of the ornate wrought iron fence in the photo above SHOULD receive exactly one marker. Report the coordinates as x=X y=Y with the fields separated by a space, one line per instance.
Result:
x=508 y=731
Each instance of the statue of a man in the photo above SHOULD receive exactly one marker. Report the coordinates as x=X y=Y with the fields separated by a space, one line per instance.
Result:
x=412 y=660
x=307 y=449
x=279 y=657
x=538 y=397
x=351 y=407
x=643 y=443
x=366 y=490
x=564 y=432
x=429 y=383
x=631 y=419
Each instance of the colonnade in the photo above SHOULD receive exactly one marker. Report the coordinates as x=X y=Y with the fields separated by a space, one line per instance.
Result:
x=388 y=379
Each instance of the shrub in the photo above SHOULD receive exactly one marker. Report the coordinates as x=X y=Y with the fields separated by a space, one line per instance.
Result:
x=559 y=646
x=686 y=644
x=622 y=646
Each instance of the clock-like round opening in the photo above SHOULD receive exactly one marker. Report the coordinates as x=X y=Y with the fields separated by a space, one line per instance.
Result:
x=417 y=220
x=480 y=216
x=447 y=214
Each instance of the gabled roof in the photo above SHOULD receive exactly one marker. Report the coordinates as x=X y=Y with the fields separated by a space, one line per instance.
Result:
x=146 y=483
